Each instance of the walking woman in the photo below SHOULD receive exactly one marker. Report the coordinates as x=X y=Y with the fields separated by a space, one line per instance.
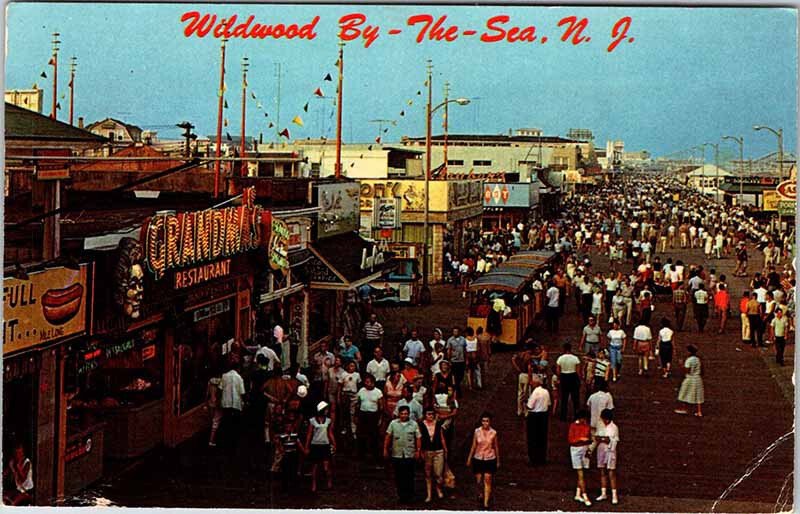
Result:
x=392 y=391
x=434 y=452
x=692 y=392
x=484 y=457
x=666 y=338
x=320 y=445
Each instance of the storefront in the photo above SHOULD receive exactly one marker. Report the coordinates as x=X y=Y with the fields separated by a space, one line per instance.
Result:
x=508 y=204
x=454 y=212
x=175 y=296
x=43 y=311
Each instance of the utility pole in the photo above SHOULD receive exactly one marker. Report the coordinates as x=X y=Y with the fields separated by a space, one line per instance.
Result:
x=217 y=162
x=446 y=121
x=245 y=65
x=425 y=293
x=72 y=65
x=278 y=99
x=338 y=165
x=54 y=63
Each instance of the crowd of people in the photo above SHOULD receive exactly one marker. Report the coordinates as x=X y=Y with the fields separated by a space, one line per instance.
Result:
x=396 y=397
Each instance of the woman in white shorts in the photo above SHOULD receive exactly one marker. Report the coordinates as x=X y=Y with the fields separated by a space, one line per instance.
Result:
x=606 y=438
x=580 y=439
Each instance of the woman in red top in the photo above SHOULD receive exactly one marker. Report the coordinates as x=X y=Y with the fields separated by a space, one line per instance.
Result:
x=722 y=303
x=484 y=457
x=580 y=439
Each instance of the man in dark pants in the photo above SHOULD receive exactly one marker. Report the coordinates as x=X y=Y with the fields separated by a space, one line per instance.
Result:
x=754 y=312
x=403 y=444
x=538 y=406
x=554 y=307
x=779 y=326
x=568 y=369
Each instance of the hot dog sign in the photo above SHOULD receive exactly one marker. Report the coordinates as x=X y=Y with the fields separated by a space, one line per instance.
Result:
x=46 y=306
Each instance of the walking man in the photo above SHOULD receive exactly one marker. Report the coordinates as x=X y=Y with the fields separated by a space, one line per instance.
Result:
x=373 y=335
x=402 y=444
x=679 y=303
x=538 y=417
x=568 y=369
x=553 y=308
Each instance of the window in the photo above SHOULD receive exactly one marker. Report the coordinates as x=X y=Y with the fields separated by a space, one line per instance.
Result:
x=455 y=162
x=481 y=163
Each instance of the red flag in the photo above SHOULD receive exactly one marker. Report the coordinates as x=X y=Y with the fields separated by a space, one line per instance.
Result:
x=284 y=133
x=378 y=139
x=52 y=61
x=318 y=92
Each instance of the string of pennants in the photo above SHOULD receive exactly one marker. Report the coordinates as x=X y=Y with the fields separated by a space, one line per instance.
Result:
x=43 y=75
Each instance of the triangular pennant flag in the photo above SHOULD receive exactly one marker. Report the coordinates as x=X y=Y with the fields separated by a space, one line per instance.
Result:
x=63 y=96
x=245 y=83
x=284 y=133
x=352 y=164
x=228 y=136
x=252 y=95
x=305 y=107
x=25 y=101
x=35 y=86
x=425 y=83
x=411 y=102
x=43 y=75
x=52 y=61
x=336 y=63
x=361 y=156
x=266 y=114
x=70 y=83
x=58 y=105
x=258 y=105
x=318 y=92
x=226 y=104
x=271 y=124
x=298 y=121
x=369 y=147
x=225 y=122
x=402 y=113
x=385 y=130
x=378 y=139
x=328 y=77
x=419 y=93
x=224 y=87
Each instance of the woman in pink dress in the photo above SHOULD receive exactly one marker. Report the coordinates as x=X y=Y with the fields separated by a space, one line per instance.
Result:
x=484 y=457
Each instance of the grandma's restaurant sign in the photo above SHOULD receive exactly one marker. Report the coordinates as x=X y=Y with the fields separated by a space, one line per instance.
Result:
x=175 y=241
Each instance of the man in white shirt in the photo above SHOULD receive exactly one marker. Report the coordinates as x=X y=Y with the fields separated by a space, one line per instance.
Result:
x=370 y=406
x=413 y=348
x=568 y=370
x=552 y=311
x=378 y=368
x=538 y=413
x=598 y=401
x=272 y=357
x=233 y=390
x=701 y=307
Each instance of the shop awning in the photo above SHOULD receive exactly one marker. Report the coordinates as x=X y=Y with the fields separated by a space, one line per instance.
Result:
x=531 y=259
x=345 y=261
x=510 y=269
x=747 y=189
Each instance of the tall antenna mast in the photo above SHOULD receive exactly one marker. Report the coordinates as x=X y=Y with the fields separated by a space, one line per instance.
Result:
x=54 y=63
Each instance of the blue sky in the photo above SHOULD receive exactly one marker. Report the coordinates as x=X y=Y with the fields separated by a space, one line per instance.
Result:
x=690 y=76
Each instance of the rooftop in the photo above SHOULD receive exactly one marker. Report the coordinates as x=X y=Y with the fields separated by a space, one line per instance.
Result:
x=26 y=124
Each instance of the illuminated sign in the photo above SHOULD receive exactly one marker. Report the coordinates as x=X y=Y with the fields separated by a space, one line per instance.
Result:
x=279 y=244
x=173 y=241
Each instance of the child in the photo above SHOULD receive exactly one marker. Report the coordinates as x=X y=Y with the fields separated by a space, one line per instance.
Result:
x=607 y=439
x=589 y=361
x=602 y=366
x=289 y=440
x=580 y=439
x=348 y=400
x=554 y=390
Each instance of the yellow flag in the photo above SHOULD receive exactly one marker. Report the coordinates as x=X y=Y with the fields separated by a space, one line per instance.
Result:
x=298 y=121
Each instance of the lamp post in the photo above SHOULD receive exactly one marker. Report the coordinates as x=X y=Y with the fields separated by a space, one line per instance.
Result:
x=425 y=293
x=740 y=141
x=716 y=168
x=779 y=134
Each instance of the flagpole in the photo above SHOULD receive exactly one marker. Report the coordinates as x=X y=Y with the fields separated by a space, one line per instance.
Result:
x=72 y=65
x=217 y=163
x=54 y=62
x=338 y=165
x=245 y=65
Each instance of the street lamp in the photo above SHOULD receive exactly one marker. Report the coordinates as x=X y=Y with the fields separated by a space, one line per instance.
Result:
x=425 y=293
x=740 y=141
x=779 y=134
x=716 y=168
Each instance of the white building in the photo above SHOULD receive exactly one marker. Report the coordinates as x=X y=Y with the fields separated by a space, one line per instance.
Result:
x=707 y=179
